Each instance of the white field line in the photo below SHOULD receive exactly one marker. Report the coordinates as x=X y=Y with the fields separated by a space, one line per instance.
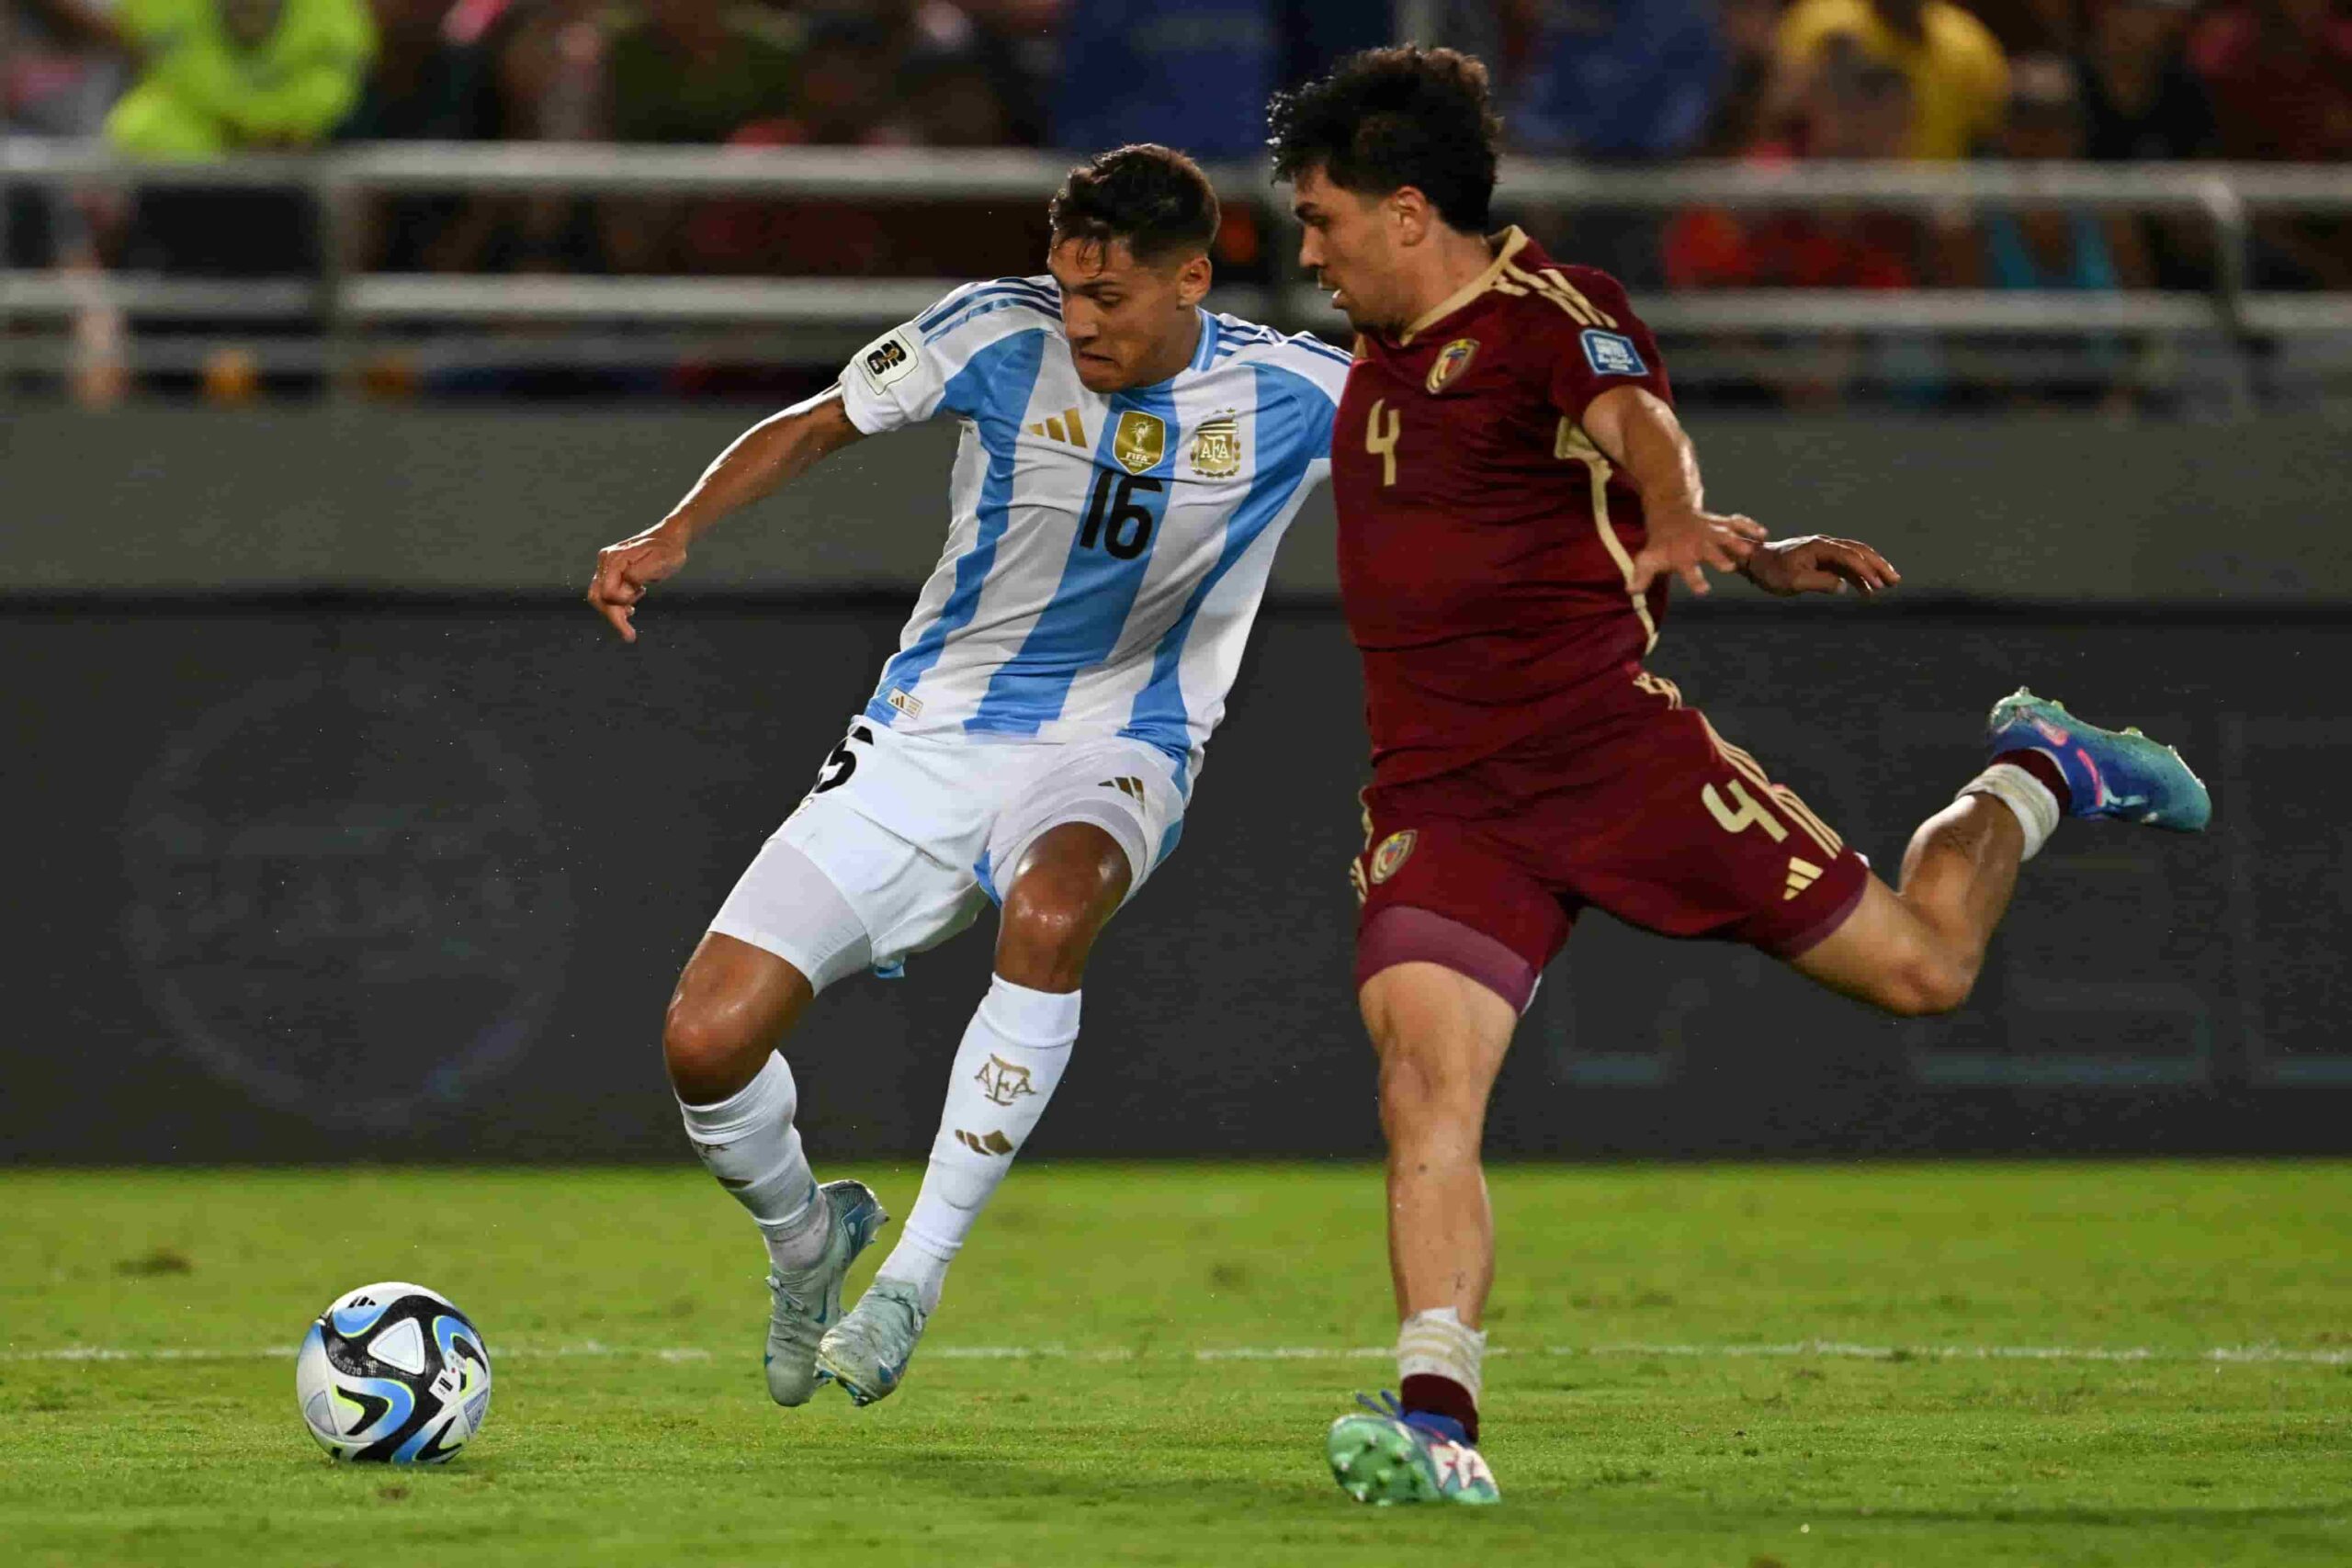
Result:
x=1824 y=1349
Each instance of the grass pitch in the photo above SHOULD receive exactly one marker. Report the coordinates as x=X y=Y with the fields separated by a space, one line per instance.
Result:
x=1908 y=1365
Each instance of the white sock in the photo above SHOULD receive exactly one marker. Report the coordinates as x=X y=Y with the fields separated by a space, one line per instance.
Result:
x=2028 y=798
x=1438 y=1344
x=1011 y=1058
x=747 y=1142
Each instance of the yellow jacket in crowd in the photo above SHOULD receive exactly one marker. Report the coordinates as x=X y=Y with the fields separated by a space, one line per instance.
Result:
x=223 y=75
x=1959 y=79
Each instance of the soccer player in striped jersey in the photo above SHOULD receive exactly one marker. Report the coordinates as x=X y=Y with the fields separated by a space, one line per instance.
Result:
x=1128 y=466
x=1515 y=497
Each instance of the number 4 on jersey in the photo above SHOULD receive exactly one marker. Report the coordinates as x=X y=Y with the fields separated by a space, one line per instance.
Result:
x=1749 y=815
x=1381 y=440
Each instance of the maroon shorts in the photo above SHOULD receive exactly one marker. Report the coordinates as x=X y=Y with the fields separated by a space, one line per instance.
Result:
x=1644 y=812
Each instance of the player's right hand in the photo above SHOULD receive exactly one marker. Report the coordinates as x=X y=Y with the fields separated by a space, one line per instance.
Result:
x=1687 y=541
x=624 y=571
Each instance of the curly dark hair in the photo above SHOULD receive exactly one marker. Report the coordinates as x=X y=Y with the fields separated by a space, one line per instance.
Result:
x=1390 y=118
x=1154 y=198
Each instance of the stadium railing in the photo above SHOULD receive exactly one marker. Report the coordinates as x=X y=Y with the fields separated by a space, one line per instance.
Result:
x=808 y=318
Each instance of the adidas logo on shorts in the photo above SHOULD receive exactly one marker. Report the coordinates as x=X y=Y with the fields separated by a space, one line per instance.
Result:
x=1802 y=874
x=1130 y=787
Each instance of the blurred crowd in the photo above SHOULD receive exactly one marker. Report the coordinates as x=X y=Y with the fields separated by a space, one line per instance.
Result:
x=1769 y=81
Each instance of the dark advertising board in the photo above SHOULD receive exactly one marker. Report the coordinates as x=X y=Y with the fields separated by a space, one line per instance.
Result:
x=387 y=881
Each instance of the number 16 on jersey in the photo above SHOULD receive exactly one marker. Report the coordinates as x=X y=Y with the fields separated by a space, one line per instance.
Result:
x=1120 y=524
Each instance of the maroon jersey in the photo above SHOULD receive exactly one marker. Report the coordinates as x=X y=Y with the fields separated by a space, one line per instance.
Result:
x=1485 y=546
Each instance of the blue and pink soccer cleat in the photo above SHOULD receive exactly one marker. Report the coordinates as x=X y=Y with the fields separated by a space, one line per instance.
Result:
x=1383 y=1455
x=2117 y=774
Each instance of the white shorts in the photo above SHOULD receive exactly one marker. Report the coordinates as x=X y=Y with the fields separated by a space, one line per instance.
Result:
x=904 y=841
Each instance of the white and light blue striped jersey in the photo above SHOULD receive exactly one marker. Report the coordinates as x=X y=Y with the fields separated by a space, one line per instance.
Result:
x=1106 y=552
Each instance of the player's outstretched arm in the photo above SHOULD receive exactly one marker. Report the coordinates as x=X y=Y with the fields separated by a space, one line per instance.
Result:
x=1818 y=564
x=1636 y=430
x=777 y=450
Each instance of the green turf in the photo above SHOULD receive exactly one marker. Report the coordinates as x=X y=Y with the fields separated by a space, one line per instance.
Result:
x=1126 y=1446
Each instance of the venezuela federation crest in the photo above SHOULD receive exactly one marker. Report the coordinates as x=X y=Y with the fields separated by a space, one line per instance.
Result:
x=1392 y=853
x=1452 y=361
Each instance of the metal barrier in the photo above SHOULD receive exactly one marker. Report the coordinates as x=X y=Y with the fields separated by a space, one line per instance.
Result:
x=825 y=316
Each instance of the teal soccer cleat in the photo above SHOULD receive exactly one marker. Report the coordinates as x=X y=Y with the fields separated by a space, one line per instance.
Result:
x=867 y=1351
x=808 y=1299
x=2117 y=774
x=1381 y=1455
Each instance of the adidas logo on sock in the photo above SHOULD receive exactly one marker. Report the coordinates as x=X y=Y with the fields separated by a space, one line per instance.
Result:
x=1130 y=787
x=992 y=1143
x=1802 y=874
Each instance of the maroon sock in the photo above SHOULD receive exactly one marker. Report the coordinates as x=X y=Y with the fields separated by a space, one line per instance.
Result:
x=1441 y=1396
x=2043 y=767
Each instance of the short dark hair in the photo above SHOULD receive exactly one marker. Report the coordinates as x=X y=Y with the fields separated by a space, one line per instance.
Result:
x=1154 y=198
x=1390 y=118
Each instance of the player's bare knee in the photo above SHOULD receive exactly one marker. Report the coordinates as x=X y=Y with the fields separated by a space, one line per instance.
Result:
x=1053 y=923
x=712 y=1044
x=1411 y=1093
x=1050 y=911
x=703 y=1050
x=1052 y=915
x=1925 y=985
x=1424 y=1088
x=732 y=1005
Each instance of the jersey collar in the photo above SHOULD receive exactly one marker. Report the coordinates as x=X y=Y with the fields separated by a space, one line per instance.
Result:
x=1204 y=354
x=1507 y=244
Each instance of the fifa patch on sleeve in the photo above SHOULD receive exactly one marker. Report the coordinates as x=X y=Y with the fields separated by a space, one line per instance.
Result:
x=1612 y=354
x=887 y=359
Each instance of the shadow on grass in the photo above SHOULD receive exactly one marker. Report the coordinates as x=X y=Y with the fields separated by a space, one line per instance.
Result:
x=1147 y=1487
x=2339 y=1511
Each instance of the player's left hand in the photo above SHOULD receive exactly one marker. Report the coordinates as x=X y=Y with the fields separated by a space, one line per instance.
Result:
x=1687 y=541
x=1818 y=564
x=624 y=571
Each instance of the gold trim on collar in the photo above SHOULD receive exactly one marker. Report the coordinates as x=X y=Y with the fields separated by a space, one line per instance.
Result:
x=1508 y=243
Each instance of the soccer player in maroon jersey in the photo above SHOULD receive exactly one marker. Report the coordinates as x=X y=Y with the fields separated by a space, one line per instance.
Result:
x=1515 y=498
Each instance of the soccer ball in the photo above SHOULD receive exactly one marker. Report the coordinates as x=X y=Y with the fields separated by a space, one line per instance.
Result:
x=394 y=1374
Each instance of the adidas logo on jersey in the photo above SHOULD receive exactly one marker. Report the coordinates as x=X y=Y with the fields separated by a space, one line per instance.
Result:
x=990 y=1143
x=1802 y=874
x=1063 y=426
x=1130 y=787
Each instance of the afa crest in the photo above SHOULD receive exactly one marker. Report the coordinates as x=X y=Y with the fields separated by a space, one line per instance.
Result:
x=1394 y=851
x=1002 y=1081
x=1216 y=449
x=1452 y=361
x=1140 y=442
